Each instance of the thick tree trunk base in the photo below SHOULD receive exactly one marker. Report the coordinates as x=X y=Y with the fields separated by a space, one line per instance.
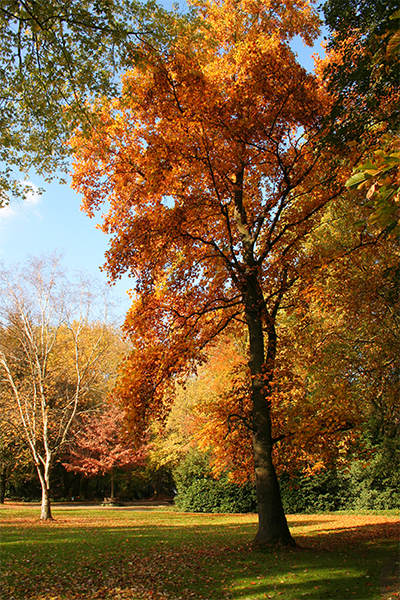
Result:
x=273 y=529
x=285 y=542
x=44 y=516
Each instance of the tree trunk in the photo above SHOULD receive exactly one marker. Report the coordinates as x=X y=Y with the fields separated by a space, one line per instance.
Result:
x=272 y=523
x=3 y=481
x=159 y=480
x=273 y=527
x=112 y=484
x=45 y=511
x=67 y=479
x=84 y=488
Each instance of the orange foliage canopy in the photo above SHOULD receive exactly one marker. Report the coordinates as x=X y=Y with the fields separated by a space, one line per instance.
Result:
x=193 y=129
x=314 y=422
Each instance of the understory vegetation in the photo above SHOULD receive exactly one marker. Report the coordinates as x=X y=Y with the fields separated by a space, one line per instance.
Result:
x=361 y=487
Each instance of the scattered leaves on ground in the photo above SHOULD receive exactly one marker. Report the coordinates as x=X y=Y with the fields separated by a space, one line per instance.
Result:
x=125 y=554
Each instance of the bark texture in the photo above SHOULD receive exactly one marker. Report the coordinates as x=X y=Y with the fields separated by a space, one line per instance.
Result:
x=44 y=477
x=272 y=528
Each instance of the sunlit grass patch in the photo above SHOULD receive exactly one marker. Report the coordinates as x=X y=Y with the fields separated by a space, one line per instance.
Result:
x=133 y=555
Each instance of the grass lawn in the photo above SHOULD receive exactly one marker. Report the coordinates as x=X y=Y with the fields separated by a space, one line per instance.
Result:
x=130 y=554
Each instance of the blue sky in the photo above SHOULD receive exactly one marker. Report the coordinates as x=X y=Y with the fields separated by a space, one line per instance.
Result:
x=53 y=221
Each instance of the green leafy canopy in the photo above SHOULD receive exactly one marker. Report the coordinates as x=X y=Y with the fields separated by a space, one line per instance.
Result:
x=56 y=58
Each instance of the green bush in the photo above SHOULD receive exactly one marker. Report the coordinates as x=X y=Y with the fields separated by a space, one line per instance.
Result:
x=362 y=486
x=318 y=493
x=197 y=491
x=371 y=486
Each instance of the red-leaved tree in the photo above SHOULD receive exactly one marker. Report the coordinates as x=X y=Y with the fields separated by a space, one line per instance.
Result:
x=99 y=447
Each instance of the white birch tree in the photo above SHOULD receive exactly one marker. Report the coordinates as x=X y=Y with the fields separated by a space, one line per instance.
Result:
x=55 y=344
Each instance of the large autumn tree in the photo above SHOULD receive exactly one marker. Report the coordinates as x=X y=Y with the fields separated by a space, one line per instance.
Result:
x=211 y=166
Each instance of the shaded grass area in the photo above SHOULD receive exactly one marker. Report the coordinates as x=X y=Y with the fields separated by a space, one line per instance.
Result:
x=128 y=554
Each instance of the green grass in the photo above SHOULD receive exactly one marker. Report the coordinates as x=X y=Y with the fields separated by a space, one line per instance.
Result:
x=127 y=554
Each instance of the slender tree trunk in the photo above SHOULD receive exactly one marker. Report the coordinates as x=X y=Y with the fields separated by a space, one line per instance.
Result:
x=83 y=488
x=67 y=479
x=45 y=511
x=3 y=481
x=272 y=527
x=112 y=484
x=77 y=486
x=159 y=480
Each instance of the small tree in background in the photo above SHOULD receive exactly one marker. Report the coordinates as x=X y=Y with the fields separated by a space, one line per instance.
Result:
x=99 y=447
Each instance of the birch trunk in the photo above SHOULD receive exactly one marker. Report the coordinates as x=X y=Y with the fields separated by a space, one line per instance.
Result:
x=44 y=477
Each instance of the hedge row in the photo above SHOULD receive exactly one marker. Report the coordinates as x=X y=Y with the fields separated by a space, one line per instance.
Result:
x=361 y=487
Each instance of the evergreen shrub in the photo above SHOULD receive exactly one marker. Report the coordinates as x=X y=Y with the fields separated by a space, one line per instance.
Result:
x=197 y=491
x=361 y=487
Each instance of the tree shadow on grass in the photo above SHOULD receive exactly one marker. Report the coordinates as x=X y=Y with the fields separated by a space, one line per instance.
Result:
x=211 y=573
x=351 y=535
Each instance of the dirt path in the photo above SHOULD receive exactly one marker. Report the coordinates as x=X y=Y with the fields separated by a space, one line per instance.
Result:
x=137 y=505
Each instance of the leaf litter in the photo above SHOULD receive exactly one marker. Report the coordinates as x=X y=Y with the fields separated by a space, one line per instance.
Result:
x=98 y=557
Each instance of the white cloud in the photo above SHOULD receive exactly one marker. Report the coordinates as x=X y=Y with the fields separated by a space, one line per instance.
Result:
x=7 y=212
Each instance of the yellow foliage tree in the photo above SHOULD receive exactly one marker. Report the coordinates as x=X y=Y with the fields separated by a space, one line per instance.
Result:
x=55 y=361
